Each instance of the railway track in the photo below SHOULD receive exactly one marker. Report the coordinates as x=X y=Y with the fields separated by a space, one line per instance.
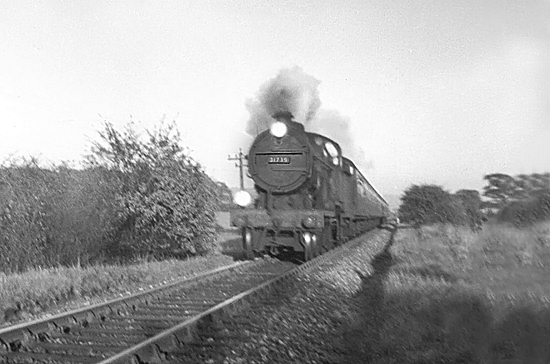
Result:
x=182 y=317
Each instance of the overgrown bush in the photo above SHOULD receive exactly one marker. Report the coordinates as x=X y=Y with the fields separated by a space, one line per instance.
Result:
x=521 y=200
x=528 y=211
x=134 y=197
x=53 y=216
x=431 y=204
x=226 y=202
x=167 y=204
x=470 y=201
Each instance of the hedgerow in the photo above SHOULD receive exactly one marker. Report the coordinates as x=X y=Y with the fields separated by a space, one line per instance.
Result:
x=431 y=204
x=522 y=200
x=52 y=216
x=528 y=211
x=134 y=196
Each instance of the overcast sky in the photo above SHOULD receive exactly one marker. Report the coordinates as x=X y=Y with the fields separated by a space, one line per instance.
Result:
x=441 y=91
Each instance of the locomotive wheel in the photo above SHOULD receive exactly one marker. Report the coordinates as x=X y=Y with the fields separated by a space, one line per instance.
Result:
x=317 y=245
x=307 y=252
x=248 y=237
x=314 y=249
x=323 y=236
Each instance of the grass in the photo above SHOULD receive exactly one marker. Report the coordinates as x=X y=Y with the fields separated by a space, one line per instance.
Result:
x=437 y=295
x=448 y=295
x=40 y=291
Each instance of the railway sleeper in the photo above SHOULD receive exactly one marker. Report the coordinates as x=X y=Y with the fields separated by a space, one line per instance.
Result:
x=179 y=305
x=171 y=310
x=183 y=301
x=208 y=297
x=136 y=320
x=242 y=286
x=107 y=334
x=78 y=349
x=123 y=325
x=128 y=340
x=14 y=357
x=166 y=311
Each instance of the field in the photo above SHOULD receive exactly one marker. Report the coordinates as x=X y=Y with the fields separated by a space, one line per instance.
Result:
x=446 y=295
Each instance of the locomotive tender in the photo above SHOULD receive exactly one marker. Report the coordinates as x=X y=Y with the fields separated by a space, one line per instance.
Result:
x=310 y=197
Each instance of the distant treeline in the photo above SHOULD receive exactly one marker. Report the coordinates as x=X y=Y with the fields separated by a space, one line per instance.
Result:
x=134 y=197
x=522 y=200
x=430 y=204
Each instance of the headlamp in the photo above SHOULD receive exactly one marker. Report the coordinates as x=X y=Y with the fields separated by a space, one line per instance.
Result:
x=278 y=129
x=242 y=198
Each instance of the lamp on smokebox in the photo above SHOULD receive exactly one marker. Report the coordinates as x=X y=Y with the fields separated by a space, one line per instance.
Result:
x=279 y=128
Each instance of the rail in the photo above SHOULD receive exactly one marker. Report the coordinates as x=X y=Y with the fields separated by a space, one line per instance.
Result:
x=146 y=327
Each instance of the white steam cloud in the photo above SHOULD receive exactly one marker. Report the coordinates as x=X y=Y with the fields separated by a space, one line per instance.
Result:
x=297 y=92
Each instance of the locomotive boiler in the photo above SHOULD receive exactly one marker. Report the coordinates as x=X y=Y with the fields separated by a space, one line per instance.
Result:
x=310 y=197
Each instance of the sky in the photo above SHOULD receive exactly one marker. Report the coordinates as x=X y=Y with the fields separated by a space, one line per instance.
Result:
x=433 y=91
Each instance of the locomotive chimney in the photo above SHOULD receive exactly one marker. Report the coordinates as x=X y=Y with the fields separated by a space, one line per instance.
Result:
x=284 y=116
x=287 y=118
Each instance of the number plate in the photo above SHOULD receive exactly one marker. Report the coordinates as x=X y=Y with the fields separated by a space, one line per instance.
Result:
x=279 y=160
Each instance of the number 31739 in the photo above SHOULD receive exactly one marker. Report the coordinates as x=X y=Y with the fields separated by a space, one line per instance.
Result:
x=279 y=160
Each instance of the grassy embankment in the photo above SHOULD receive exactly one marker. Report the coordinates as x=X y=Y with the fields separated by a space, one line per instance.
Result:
x=439 y=295
x=41 y=291
x=447 y=295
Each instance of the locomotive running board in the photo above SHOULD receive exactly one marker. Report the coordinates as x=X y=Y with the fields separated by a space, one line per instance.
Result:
x=284 y=219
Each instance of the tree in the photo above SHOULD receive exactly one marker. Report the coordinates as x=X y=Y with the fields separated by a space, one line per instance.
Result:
x=533 y=184
x=528 y=211
x=471 y=204
x=428 y=204
x=225 y=197
x=520 y=200
x=500 y=190
x=166 y=202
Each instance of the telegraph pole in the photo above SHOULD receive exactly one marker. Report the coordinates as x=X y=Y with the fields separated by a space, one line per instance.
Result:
x=239 y=157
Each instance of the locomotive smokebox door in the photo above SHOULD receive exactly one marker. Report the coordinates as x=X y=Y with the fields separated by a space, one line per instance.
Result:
x=280 y=159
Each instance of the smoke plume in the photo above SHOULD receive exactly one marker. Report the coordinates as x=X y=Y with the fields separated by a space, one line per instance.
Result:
x=297 y=92
x=291 y=90
x=337 y=127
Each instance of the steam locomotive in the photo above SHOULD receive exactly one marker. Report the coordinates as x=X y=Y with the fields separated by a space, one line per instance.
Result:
x=310 y=198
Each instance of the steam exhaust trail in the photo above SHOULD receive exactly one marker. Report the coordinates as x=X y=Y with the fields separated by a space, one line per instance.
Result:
x=338 y=128
x=291 y=90
x=295 y=91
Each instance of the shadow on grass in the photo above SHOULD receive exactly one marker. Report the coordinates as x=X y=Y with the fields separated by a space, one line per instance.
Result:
x=441 y=322
x=359 y=340
x=429 y=271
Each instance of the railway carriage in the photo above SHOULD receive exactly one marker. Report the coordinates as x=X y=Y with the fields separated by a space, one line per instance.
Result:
x=310 y=197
